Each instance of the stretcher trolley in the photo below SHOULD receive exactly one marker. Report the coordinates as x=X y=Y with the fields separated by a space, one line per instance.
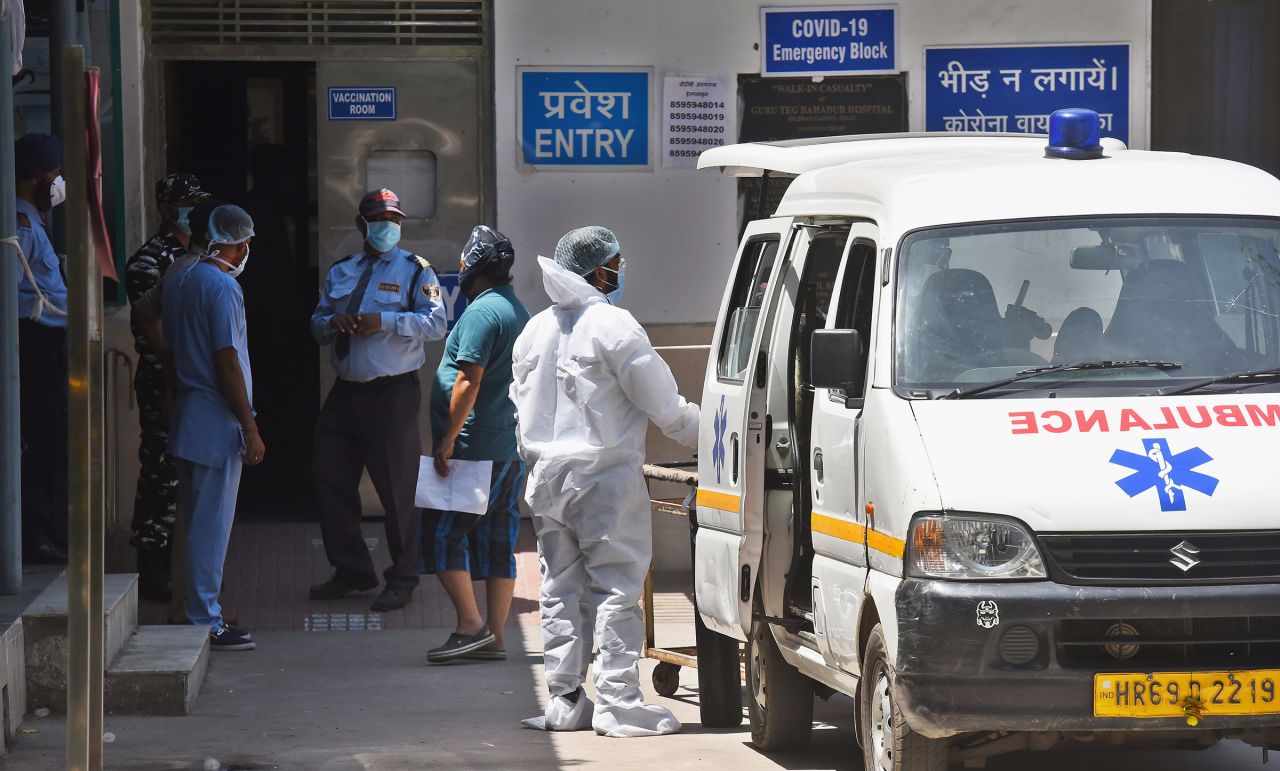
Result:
x=718 y=709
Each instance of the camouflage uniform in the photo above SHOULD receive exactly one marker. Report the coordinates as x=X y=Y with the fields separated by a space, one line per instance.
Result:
x=156 y=501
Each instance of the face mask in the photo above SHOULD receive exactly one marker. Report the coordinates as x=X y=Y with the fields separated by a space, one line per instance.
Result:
x=57 y=191
x=382 y=235
x=232 y=270
x=620 y=278
x=183 y=223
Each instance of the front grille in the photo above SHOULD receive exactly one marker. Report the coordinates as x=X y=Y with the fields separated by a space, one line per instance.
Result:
x=318 y=22
x=1146 y=644
x=1151 y=558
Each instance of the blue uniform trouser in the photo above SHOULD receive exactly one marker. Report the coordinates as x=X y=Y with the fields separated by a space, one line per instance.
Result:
x=207 y=504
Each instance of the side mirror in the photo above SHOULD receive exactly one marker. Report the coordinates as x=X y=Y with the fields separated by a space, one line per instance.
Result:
x=836 y=360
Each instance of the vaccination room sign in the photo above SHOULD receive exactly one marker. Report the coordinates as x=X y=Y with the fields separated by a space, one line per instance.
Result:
x=1016 y=88
x=362 y=103
x=828 y=40
x=576 y=118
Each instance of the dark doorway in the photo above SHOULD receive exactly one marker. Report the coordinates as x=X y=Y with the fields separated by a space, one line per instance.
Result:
x=1215 y=71
x=247 y=129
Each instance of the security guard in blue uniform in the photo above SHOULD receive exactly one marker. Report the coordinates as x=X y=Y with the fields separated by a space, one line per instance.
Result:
x=376 y=310
x=42 y=352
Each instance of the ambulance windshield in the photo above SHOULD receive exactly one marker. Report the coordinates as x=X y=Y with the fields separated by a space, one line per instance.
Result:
x=980 y=303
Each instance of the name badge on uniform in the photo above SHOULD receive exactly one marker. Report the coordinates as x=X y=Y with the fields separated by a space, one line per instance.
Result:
x=388 y=287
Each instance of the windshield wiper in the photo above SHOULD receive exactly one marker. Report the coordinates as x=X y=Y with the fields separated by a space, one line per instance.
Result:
x=1257 y=374
x=962 y=393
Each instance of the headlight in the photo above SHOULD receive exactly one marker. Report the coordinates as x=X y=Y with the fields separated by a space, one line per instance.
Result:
x=971 y=547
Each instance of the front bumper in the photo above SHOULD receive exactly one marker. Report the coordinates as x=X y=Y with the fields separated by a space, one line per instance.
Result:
x=953 y=676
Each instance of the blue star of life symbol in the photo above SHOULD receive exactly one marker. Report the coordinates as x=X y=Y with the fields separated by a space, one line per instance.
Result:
x=1171 y=475
x=720 y=424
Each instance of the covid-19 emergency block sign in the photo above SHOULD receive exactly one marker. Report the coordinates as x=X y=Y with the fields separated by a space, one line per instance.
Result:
x=1016 y=88
x=828 y=40
x=585 y=118
x=362 y=103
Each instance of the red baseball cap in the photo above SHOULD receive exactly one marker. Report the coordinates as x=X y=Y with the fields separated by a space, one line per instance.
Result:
x=380 y=201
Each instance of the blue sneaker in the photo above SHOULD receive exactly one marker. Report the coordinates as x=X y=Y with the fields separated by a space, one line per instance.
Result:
x=226 y=638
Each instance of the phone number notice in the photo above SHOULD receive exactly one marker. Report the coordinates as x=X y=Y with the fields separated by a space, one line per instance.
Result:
x=695 y=117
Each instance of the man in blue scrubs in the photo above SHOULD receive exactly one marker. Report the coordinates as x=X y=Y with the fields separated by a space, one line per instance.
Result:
x=213 y=431
x=376 y=310
x=42 y=352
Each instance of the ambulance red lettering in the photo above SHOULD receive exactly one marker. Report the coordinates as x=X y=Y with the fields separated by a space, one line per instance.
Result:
x=1257 y=416
x=1229 y=415
x=1063 y=425
x=1168 y=419
x=1130 y=420
x=1087 y=421
x=1205 y=421
x=1022 y=422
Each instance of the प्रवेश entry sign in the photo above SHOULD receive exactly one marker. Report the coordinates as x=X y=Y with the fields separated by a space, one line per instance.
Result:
x=828 y=40
x=362 y=103
x=576 y=118
x=1016 y=88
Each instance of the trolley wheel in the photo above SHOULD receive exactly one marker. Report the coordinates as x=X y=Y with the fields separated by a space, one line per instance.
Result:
x=666 y=678
x=719 y=678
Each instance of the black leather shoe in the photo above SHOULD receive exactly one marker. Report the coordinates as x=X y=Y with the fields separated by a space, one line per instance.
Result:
x=392 y=598
x=341 y=587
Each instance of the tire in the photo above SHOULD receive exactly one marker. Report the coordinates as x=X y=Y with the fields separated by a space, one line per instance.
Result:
x=666 y=679
x=779 y=698
x=719 y=677
x=888 y=743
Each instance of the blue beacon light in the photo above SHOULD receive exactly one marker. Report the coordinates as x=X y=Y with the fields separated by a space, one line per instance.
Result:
x=1073 y=134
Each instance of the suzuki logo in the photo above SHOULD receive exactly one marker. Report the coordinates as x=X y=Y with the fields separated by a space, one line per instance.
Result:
x=1184 y=556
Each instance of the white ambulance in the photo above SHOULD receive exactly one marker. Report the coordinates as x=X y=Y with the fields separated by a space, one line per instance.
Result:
x=989 y=442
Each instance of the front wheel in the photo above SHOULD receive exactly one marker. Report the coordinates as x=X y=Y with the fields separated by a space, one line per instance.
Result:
x=888 y=743
x=781 y=703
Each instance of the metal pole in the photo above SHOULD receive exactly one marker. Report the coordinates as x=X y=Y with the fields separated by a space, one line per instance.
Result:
x=62 y=33
x=84 y=346
x=97 y=456
x=10 y=415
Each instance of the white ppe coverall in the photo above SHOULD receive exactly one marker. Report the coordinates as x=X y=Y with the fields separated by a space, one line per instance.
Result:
x=586 y=383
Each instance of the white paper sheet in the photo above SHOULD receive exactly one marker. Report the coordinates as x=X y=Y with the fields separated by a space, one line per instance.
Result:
x=465 y=489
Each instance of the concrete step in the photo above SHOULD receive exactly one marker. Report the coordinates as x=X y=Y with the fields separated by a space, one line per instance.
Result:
x=44 y=629
x=158 y=672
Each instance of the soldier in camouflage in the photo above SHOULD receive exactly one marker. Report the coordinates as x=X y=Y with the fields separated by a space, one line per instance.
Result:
x=155 y=503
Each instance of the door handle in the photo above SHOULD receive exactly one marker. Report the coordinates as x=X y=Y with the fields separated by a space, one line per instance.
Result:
x=734 y=441
x=817 y=464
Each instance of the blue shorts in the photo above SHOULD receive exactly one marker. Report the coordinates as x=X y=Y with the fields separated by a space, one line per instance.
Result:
x=485 y=544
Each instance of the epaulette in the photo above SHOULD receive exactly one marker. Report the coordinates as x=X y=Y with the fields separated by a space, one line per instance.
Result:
x=421 y=262
x=347 y=258
x=23 y=220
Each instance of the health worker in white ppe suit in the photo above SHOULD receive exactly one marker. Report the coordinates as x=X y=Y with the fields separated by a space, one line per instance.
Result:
x=586 y=383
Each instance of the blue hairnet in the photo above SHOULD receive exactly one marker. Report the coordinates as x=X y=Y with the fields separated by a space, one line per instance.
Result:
x=488 y=253
x=229 y=224
x=585 y=249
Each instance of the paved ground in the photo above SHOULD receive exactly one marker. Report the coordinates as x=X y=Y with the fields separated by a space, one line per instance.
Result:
x=316 y=698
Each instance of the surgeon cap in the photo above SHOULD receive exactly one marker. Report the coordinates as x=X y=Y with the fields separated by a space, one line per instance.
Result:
x=229 y=224
x=585 y=249
x=489 y=253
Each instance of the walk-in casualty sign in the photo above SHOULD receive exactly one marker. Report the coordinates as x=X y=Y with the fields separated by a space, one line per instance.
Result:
x=828 y=40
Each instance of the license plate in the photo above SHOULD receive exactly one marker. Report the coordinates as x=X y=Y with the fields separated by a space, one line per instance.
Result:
x=1182 y=694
